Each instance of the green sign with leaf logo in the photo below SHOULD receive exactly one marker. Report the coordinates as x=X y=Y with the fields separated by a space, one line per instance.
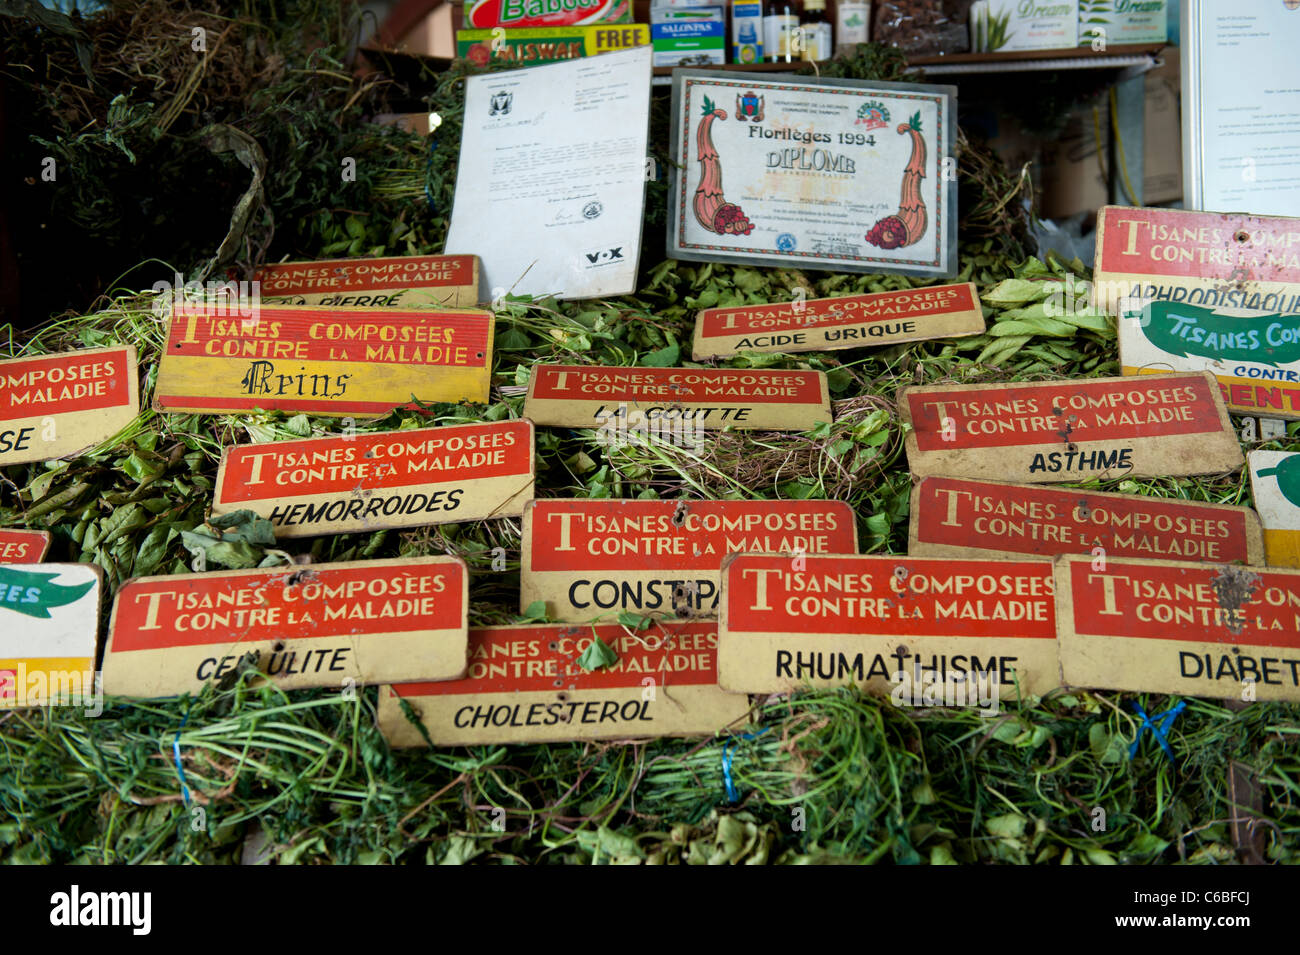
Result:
x=34 y=594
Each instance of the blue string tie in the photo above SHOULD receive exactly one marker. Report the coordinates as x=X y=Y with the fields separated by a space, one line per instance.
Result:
x=176 y=755
x=727 y=747
x=1158 y=725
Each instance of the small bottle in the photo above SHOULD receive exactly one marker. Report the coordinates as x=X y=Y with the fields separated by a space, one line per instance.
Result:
x=815 y=31
x=851 y=20
x=747 y=31
x=780 y=27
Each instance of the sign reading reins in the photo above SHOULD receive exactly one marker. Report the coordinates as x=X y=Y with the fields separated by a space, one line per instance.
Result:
x=449 y=281
x=853 y=321
x=1194 y=629
x=360 y=363
x=589 y=559
x=1052 y=431
x=952 y=517
x=23 y=546
x=1275 y=485
x=877 y=621
x=49 y=629
x=524 y=685
x=376 y=621
x=588 y=396
x=54 y=406
x=391 y=479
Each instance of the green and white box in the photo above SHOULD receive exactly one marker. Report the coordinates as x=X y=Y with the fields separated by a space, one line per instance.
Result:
x=1112 y=22
x=1007 y=25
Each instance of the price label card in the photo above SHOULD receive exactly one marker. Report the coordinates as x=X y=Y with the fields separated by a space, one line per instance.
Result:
x=397 y=282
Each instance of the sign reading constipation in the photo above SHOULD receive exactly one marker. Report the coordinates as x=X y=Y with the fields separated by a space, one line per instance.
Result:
x=596 y=558
x=1192 y=629
x=524 y=685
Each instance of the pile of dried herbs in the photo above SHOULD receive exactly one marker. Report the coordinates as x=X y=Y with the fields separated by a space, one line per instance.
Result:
x=305 y=777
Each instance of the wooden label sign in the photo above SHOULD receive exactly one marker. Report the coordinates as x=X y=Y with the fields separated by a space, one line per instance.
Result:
x=884 y=622
x=524 y=685
x=359 y=363
x=1052 y=431
x=49 y=629
x=398 y=282
x=1275 y=485
x=368 y=482
x=952 y=517
x=596 y=558
x=54 y=406
x=23 y=546
x=588 y=396
x=374 y=621
x=1194 y=629
x=828 y=324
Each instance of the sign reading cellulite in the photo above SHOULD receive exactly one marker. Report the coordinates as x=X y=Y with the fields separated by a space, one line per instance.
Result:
x=952 y=517
x=1053 y=431
x=403 y=281
x=589 y=396
x=49 y=629
x=376 y=621
x=595 y=558
x=368 y=482
x=524 y=685
x=359 y=363
x=828 y=324
x=876 y=621
x=1194 y=629
x=53 y=406
x=23 y=546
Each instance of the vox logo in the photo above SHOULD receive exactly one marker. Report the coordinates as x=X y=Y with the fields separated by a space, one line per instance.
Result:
x=605 y=256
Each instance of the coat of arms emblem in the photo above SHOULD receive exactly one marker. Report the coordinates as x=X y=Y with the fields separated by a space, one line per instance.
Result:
x=501 y=103
x=749 y=106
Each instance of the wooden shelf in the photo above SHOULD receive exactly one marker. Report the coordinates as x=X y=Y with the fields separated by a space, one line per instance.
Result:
x=1016 y=61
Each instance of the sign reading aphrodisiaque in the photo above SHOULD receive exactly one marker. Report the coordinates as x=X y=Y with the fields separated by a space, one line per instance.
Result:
x=1206 y=291
x=23 y=546
x=53 y=406
x=1275 y=485
x=873 y=621
x=524 y=685
x=1053 y=431
x=589 y=396
x=49 y=629
x=333 y=625
x=596 y=558
x=359 y=363
x=366 y=482
x=403 y=281
x=952 y=517
x=828 y=324
x=1198 y=630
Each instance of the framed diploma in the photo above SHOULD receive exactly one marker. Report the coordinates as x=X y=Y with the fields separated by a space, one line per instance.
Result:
x=833 y=174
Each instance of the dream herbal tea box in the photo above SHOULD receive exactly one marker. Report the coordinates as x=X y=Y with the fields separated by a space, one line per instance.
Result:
x=1123 y=21
x=1008 y=25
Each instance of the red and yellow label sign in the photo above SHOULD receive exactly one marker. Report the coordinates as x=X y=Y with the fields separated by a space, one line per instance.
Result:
x=589 y=396
x=361 y=363
x=854 y=321
x=378 y=621
x=449 y=281
x=1051 y=431
x=1152 y=626
x=877 y=621
x=596 y=558
x=524 y=685
x=23 y=546
x=952 y=517
x=391 y=479
x=54 y=406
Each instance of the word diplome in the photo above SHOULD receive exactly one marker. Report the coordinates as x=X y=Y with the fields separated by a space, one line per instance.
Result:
x=49 y=633
x=23 y=546
x=53 y=406
x=524 y=685
x=588 y=396
x=1052 y=431
x=828 y=324
x=373 y=621
x=952 y=517
x=392 y=479
x=864 y=620
x=1177 y=627
x=592 y=558
x=358 y=362
x=450 y=281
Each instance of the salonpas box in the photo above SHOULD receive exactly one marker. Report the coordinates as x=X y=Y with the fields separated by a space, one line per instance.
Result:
x=688 y=35
x=1123 y=21
x=530 y=45
x=1007 y=25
